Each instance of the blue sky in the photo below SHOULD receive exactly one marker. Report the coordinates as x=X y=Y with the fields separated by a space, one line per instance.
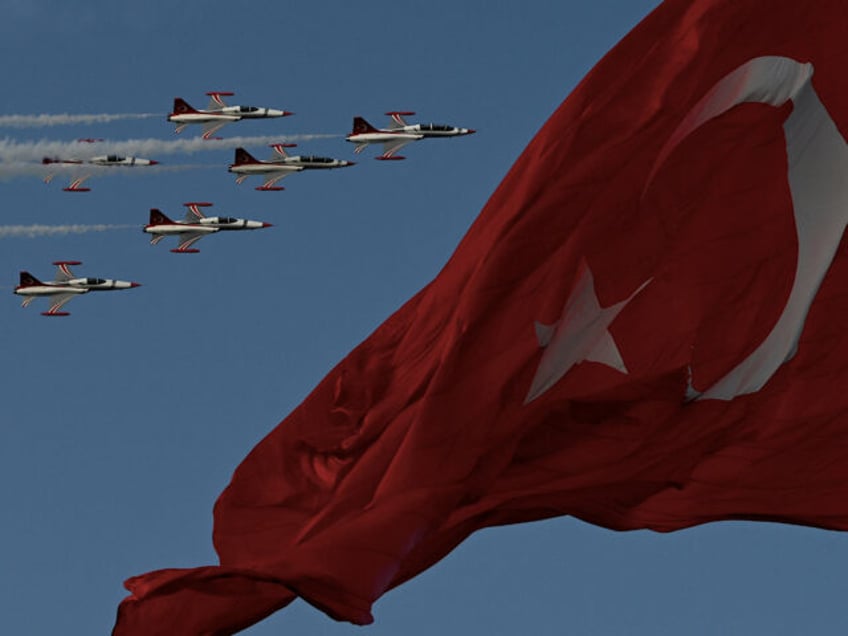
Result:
x=122 y=423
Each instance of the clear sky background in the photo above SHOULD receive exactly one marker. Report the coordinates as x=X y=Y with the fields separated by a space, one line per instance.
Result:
x=121 y=424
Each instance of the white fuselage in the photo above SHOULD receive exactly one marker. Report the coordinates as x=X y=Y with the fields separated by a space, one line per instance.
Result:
x=206 y=225
x=435 y=130
x=169 y=229
x=263 y=168
x=114 y=160
x=382 y=137
x=74 y=286
x=229 y=223
x=49 y=289
x=100 y=284
x=201 y=117
x=309 y=162
x=252 y=112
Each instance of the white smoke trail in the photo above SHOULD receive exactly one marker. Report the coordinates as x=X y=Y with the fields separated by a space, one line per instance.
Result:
x=35 y=231
x=12 y=150
x=65 y=119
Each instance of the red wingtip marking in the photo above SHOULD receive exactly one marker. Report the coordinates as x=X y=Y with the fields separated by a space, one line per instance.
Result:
x=270 y=188
x=392 y=158
x=55 y=313
x=77 y=189
x=67 y=262
x=176 y=251
x=200 y=204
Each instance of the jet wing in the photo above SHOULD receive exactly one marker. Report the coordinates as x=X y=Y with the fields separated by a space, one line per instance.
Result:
x=188 y=239
x=211 y=127
x=284 y=171
x=58 y=302
x=63 y=271
x=391 y=147
x=396 y=120
x=76 y=184
x=215 y=99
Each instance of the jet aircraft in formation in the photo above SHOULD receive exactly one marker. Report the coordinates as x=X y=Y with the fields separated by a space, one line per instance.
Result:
x=398 y=134
x=282 y=165
x=195 y=226
x=217 y=114
x=65 y=287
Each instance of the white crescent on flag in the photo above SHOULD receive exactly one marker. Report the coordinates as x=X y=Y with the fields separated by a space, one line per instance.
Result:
x=817 y=158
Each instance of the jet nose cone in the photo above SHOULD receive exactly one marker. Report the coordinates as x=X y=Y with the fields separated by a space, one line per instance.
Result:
x=153 y=162
x=267 y=225
x=135 y=285
x=287 y=113
x=470 y=131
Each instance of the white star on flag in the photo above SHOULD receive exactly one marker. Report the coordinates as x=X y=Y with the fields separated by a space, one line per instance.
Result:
x=582 y=333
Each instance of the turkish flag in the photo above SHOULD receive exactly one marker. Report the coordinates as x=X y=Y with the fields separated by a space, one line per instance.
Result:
x=644 y=328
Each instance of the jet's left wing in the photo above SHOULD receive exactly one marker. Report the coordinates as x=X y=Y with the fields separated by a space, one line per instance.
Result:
x=57 y=303
x=391 y=147
x=187 y=240
x=273 y=178
x=211 y=127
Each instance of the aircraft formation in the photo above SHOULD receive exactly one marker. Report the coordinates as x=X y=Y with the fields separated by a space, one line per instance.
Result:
x=195 y=224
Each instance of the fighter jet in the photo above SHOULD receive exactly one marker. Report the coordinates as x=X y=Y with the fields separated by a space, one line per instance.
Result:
x=364 y=134
x=195 y=226
x=102 y=160
x=217 y=114
x=283 y=165
x=398 y=134
x=246 y=165
x=64 y=288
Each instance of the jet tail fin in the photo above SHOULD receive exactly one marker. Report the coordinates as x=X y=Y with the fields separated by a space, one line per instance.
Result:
x=181 y=106
x=28 y=280
x=361 y=126
x=243 y=157
x=157 y=217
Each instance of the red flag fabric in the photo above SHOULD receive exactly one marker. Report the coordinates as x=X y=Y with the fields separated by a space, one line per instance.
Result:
x=644 y=328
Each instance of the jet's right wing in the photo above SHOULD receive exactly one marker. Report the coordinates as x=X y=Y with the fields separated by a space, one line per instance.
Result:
x=396 y=120
x=215 y=101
